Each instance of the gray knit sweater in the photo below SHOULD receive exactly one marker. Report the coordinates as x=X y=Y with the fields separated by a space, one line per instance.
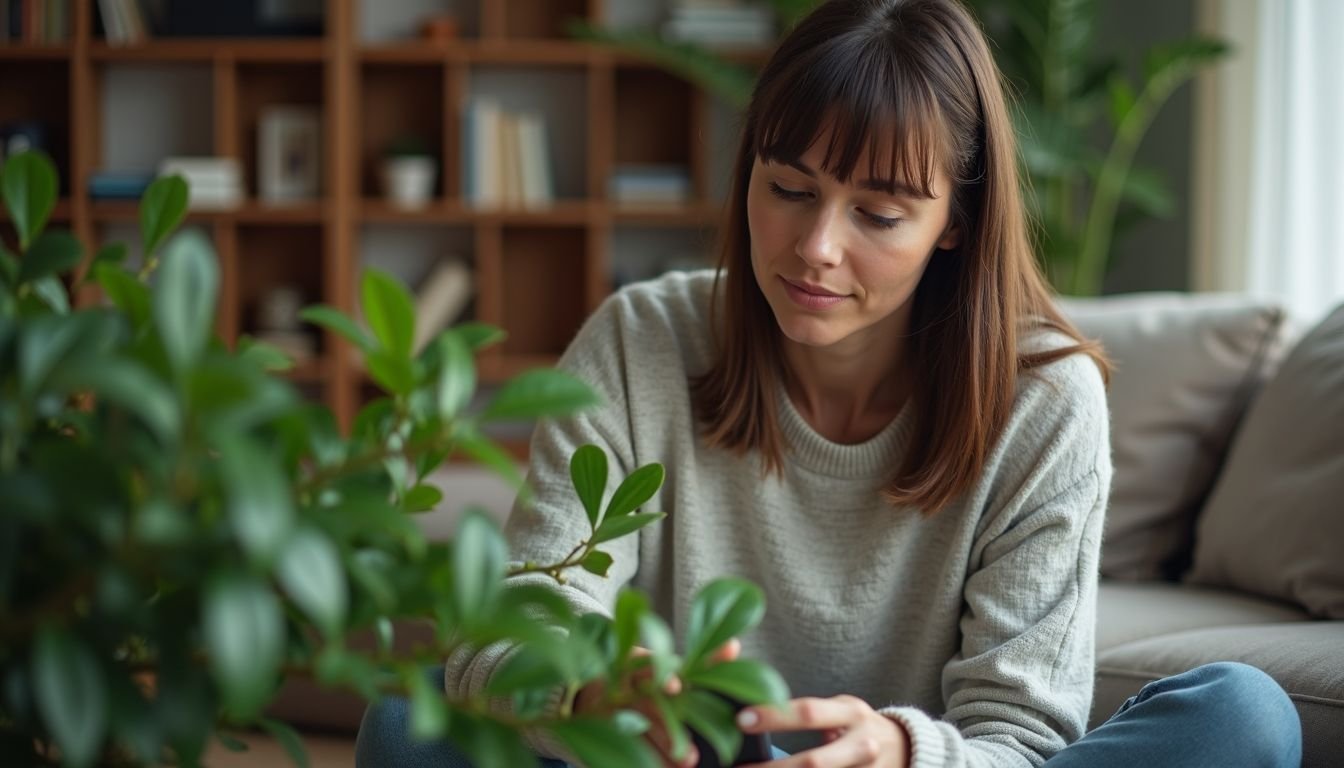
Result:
x=974 y=628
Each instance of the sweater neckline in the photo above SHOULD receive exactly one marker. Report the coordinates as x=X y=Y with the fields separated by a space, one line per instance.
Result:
x=875 y=456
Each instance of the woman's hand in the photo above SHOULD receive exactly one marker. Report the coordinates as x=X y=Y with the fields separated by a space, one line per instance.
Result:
x=855 y=733
x=590 y=696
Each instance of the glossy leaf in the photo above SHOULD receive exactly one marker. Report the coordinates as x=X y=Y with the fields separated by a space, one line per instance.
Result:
x=616 y=527
x=289 y=739
x=244 y=637
x=52 y=253
x=657 y=638
x=112 y=255
x=495 y=458
x=52 y=293
x=29 y=186
x=128 y=294
x=260 y=506
x=266 y=357
x=538 y=393
x=479 y=555
x=490 y=745
x=392 y=372
x=676 y=731
x=597 y=563
x=339 y=323
x=310 y=571
x=389 y=312
x=746 y=680
x=524 y=669
x=162 y=209
x=135 y=389
x=724 y=609
x=631 y=607
x=184 y=298
x=71 y=695
x=712 y=718
x=422 y=498
x=457 y=375
x=588 y=471
x=479 y=336
x=635 y=490
x=429 y=711
x=599 y=743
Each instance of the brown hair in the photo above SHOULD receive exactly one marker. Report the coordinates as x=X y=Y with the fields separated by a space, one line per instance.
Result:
x=923 y=68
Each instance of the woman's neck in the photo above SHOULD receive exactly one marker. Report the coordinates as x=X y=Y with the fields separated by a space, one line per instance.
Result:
x=847 y=392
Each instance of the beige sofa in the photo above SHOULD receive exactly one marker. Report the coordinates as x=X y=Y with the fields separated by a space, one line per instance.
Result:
x=1225 y=530
x=1225 y=535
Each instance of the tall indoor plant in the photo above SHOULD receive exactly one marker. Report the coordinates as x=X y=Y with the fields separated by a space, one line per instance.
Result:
x=1081 y=117
x=181 y=531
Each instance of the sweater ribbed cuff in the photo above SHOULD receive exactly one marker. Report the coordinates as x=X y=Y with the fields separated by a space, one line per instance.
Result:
x=927 y=746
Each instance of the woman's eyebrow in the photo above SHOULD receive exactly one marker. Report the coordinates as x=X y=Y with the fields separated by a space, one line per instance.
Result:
x=889 y=186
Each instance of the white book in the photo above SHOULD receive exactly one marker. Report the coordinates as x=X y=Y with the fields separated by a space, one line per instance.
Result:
x=441 y=298
x=510 y=171
x=536 y=161
x=203 y=170
x=112 y=29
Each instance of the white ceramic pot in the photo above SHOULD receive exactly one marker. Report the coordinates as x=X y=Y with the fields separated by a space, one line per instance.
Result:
x=408 y=182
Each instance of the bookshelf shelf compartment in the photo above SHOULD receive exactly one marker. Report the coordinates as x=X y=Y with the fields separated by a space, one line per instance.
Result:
x=244 y=49
x=36 y=92
x=271 y=257
x=35 y=52
x=261 y=87
x=539 y=19
x=545 y=270
x=399 y=102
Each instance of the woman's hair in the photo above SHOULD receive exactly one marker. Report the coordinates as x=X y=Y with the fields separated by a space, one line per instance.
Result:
x=912 y=80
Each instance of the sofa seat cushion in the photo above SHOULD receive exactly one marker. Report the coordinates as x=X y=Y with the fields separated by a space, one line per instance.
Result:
x=1306 y=658
x=1129 y=611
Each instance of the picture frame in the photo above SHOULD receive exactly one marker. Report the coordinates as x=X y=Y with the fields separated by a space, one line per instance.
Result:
x=289 y=154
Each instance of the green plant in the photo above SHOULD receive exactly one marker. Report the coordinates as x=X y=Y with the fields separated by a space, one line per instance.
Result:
x=1081 y=117
x=181 y=531
x=408 y=145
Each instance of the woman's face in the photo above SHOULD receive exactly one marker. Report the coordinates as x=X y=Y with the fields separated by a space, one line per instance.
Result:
x=839 y=263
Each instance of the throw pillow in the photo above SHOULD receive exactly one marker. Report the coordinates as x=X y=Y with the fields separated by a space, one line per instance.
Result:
x=1274 y=524
x=1186 y=366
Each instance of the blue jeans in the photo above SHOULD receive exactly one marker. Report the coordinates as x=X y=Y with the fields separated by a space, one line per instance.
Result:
x=1223 y=714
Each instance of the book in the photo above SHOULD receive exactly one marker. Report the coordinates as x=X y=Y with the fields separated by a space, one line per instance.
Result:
x=440 y=299
x=119 y=185
x=289 y=153
x=535 y=159
x=213 y=183
x=485 y=141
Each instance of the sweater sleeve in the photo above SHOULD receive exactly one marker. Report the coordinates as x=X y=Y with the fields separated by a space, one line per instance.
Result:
x=1020 y=687
x=546 y=530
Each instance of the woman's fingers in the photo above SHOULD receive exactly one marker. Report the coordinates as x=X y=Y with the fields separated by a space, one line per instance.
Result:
x=808 y=714
x=729 y=651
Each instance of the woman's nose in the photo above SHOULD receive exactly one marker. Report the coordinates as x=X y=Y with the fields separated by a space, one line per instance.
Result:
x=820 y=244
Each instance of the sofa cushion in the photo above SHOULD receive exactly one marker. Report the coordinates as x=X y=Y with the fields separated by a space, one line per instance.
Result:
x=1274 y=524
x=1304 y=657
x=1185 y=368
x=1128 y=611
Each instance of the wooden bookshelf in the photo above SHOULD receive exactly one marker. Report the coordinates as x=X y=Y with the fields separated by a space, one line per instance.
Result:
x=538 y=273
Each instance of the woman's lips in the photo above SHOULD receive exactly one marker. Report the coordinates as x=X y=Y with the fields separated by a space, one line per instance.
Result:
x=815 y=299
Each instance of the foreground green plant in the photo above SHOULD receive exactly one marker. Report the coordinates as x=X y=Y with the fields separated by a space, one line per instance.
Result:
x=181 y=531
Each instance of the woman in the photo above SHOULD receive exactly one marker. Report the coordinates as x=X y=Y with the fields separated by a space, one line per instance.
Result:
x=876 y=413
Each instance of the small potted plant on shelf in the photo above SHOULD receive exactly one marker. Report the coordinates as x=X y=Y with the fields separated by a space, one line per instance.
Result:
x=181 y=532
x=409 y=171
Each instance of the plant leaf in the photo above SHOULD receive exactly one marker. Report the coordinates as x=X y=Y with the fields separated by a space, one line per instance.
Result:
x=266 y=357
x=599 y=743
x=487 y=452
x=162 y=209
x=389 y=312
x=540 y=392
x=339 y=323
x=524 y=669
x=746 y=680
x=52 y=253
x=184 y=298
x=422 y=498
x=261 y=508
x=30 y=193
x=128 y=294
x=712 y=718
x=724 y=609
x=71 y=695
x=657 y=638
x=478 y=336
x=429 y=710
x=616 y=527
x=288 y=738
x=489 y=744
x=635 y=490
x=52 y=292
x=310 y=571
x=631 y=607
x=457 y=374
x=479 y=556
x=244 y=635
x=597 y=563
x=588 y=471
x=391 y=371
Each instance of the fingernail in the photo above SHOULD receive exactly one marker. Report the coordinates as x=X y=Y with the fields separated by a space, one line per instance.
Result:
x=747 y=718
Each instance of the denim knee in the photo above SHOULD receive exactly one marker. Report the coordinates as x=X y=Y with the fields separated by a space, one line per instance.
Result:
x=1253 y=710
x=384 y=741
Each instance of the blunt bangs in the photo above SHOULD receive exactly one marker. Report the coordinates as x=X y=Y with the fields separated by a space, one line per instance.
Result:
x=859 y=90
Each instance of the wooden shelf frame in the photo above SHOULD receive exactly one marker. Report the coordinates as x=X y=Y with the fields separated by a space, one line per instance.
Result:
x=519 y=256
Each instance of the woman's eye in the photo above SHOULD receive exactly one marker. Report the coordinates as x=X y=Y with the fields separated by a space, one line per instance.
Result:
x=881 y=221
x=786 y=194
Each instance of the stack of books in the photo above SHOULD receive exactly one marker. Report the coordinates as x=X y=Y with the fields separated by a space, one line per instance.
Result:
x=123 y=22
x=506 y=158
x=35 y=22
x=215 y=183
x=721 y=23
x=650 y=185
